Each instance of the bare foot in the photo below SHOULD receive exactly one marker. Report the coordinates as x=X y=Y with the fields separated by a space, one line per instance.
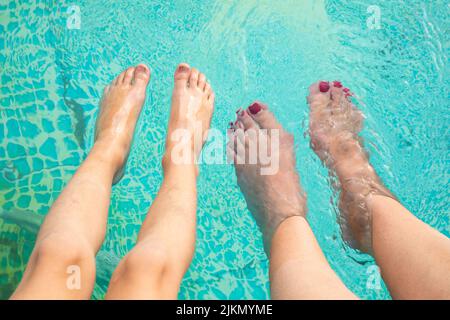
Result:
x=190 y=118
x=272 y=195
x=119 y=111
x=334 y=127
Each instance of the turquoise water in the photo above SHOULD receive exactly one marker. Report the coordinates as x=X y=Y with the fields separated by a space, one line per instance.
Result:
x=52 y=76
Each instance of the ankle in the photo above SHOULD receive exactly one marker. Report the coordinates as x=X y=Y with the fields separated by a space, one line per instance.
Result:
x=179 y=157
x=280 y=229
x=108 y=155
x=173 y=167
x=271 y=227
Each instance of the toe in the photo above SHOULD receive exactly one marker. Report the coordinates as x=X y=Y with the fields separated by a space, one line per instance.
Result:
x=193 y=79
x=239 y=125
x=209 y=92
x=263 y=117
x=119 y=78
x=323 y=86
x=320 y=88
x=128 y=77
x=336 y=94
x=207 y=89
x=182 y=75
x=244 y=118
x=337 y=84
x=201 y=81
x=212 y=97
x=319 y=94
x=233 y=126
x=141 y=75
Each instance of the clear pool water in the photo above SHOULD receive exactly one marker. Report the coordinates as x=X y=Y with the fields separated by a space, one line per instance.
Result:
x=52 y=76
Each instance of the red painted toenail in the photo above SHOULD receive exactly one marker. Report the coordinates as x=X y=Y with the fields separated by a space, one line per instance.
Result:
x=255 y=108
x=337 y=84
x=346 y=90
x=324 y=86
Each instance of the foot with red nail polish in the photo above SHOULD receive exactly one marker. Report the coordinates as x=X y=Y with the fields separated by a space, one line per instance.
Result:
x=332 y=116
x=271 y=196
x=334 y=126
x=120 y=108
x=190 y=117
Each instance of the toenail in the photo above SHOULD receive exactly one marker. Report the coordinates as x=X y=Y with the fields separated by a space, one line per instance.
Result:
x=255 y=108
x=324 y=86
x=337 y=84
x=141 y=69
x=346 y=90
x=183 y=68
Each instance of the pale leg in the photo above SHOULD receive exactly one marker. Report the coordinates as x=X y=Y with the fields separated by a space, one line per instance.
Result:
x=154 y=268
x=62 y=264
x=70 y=236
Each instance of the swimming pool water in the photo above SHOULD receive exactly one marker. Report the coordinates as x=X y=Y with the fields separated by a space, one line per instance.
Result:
x=52 y=76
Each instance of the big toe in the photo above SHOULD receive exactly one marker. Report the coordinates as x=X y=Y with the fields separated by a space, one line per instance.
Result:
x=319 y=94
x=263 y=116
x=182 y=74
x=141 y=76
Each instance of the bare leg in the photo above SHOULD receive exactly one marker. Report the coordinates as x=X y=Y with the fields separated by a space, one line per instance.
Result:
x=298 y=268
x=154 y=268
x=62 y=264
x=414 y=258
